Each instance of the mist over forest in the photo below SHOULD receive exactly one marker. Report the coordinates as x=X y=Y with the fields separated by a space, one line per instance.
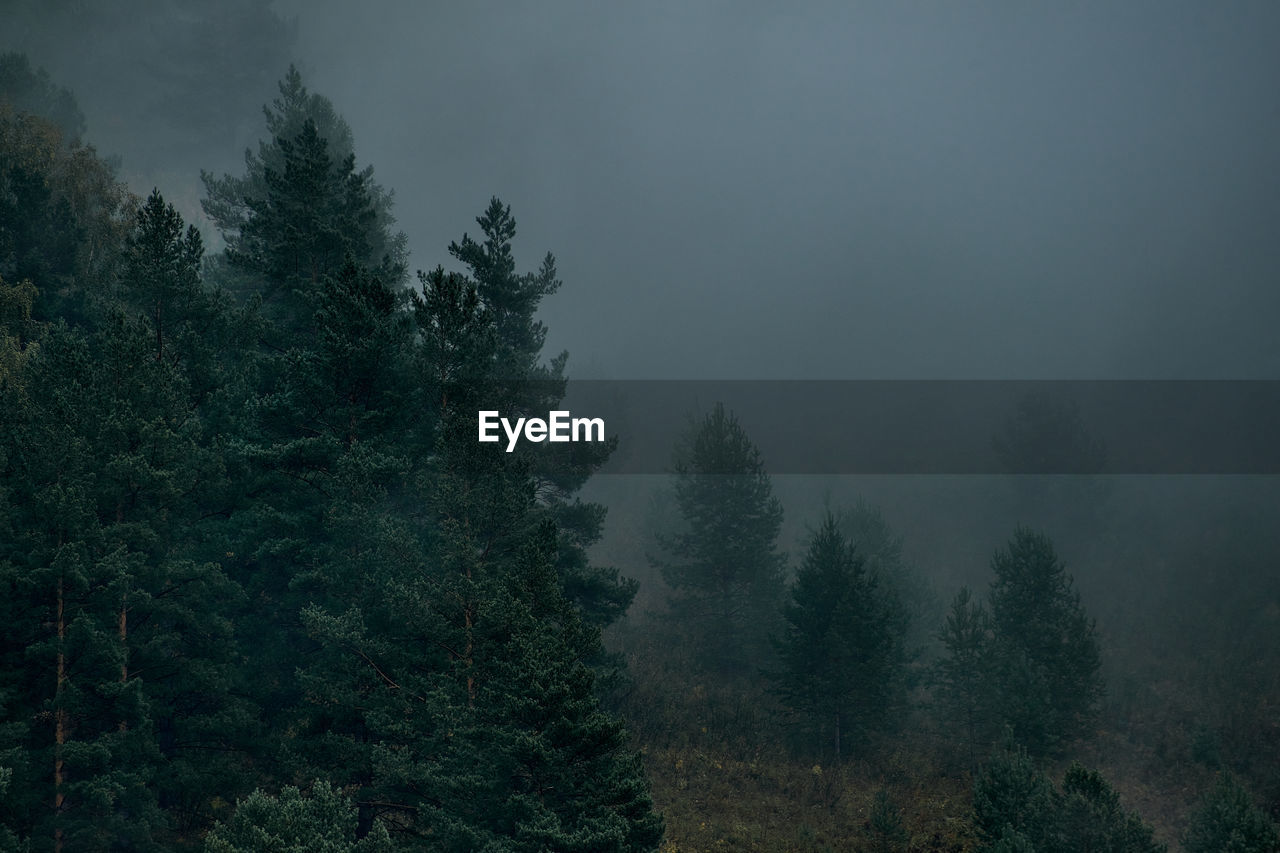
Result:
x=262 y=262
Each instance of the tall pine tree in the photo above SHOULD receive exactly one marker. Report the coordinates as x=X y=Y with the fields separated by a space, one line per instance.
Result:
x=724 y=568
x=1047 y=660
x=841 y=650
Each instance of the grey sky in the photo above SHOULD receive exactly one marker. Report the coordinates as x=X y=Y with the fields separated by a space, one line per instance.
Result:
x=908 y=189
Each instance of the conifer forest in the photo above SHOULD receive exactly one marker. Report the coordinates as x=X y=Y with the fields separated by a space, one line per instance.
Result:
x=606 y=428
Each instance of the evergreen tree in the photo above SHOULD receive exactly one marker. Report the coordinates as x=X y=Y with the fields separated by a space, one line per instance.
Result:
x=30 y=90
x=17 y=331
x=319 y=435
x=448 y=686
x=1011 y=796
x=313 y=214
x=121 y=652
x=127 y=650
x=1016 y=808
x=323 y=821
x=1228 y=822
x=1090 y=817
x=882 y=549
x=162 y=274
x=724 y=569
x=884 y=826
x=455 y=694
x=964 y=677
x=9 y=842
x=1046 y=647
x=841 y=649
x=511 y=299
x=308 y=158
x=521 y=383
x=63 y=217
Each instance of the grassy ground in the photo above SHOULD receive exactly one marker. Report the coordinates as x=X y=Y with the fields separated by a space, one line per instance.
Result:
x=725 y=778
x=713 y=803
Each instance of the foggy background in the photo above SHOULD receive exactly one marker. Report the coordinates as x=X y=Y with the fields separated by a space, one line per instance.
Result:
x=872 y=190
x=876 y=190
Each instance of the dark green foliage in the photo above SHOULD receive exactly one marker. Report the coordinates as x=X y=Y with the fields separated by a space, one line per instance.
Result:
x=118 y=661
x=17 y=331
x=1047 y=653
x=63 y=217
x=162 y=276
x=885 y=829
x=301 y=207
x=511 y=299
x=1227 y=821
x=259 y=545
x=323 y=820
x=1030 y=663
x=881 y=547
x=1012 y=841
x=964 y=677
x=842 y=644
x=9 y=842
x=1016 y=808
x=313 y=213
x=496 y=308
x=30 y=90
x=456 y=695
x=123 y=649
x=390 y=551
x=724 y=568
x=1090 y=817
x=1010 y=793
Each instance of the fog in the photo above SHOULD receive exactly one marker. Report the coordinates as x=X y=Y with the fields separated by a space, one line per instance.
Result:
x=817 y=191
x=830 y=191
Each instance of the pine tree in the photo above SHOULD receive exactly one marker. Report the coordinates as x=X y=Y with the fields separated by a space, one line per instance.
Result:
x=964 y=677
x=1011 y=796
x=127 y=644
x=292 y=165
x=884 y=826
x=1046 y=647
x=1090 y=817
x=882 y=548
x=1228 y=822
x=63 y=217
x=511 y=299
x=17 y=331
x=314 y=214
x=841 y=649
x=319 y=438
x=323 y=820
x=106 y=468
x=1017 y=808
x=30 y=90
x=448 y=684
x=724 y=569
x=521 y=383
x=162 y=273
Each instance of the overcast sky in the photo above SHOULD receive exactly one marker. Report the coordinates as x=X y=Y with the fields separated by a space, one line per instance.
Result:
x=896 y=189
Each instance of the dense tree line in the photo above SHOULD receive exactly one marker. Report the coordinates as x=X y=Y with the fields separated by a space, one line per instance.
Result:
x=262 y=588
x=1014 y=683
x=249 y=543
